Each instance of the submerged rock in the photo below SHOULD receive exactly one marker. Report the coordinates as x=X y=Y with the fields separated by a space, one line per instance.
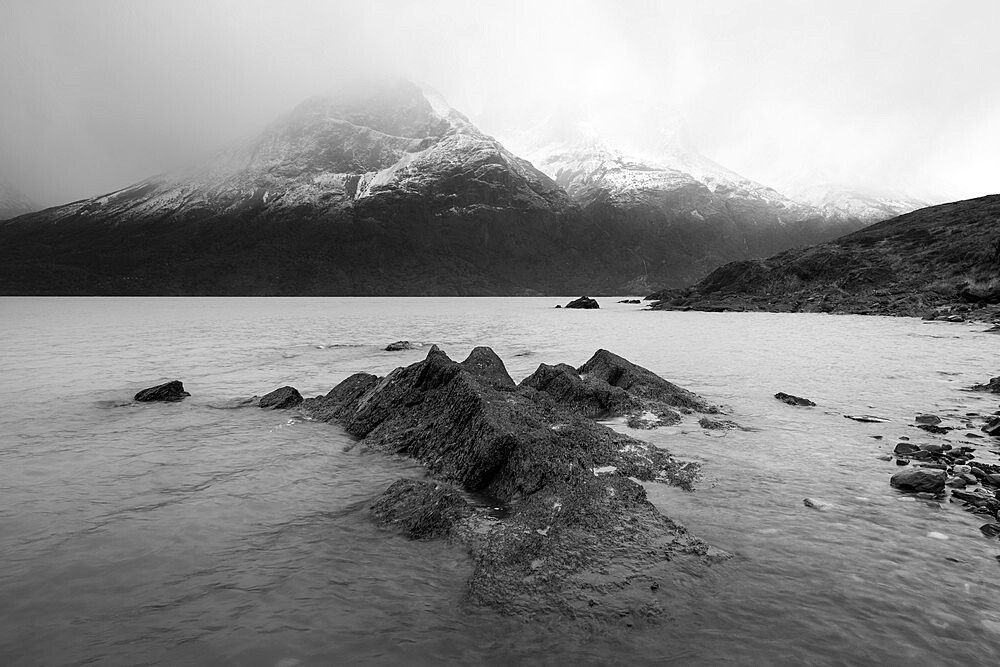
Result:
x=168 y=391
x=420 y=510
x=920 y=479
x=281 y=398
x=402 y=345
x=711 y=424
x=577 y=527
x=583 y=302
x=868 y=419
x=793 y=400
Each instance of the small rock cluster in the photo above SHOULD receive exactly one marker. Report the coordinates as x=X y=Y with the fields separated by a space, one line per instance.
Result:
x=937 y=467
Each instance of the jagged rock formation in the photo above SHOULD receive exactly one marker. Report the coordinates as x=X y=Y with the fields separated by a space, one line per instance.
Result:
x=943 y=259
x=571 y=509
x=13 y=202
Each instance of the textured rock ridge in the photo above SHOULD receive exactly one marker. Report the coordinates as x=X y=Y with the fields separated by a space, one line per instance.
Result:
x=566 y=484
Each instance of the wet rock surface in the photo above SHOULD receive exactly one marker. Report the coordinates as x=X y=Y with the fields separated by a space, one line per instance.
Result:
x=578 y=531
x=420 y=510
x=281 y=399
x=608 y=385
x=400 y=345
x=793 y=400
x=920 y=479
x=993 y=386
x=167 y=392
x=583 y=302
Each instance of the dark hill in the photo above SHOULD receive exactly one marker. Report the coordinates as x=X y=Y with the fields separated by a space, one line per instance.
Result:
x=943 y=257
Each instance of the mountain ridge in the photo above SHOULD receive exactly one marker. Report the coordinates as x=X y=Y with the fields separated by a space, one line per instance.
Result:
x=942 y=260
x=381 y=189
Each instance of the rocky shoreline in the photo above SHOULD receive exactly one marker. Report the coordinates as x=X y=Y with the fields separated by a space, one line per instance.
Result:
x=549 y=503
x=939 y=263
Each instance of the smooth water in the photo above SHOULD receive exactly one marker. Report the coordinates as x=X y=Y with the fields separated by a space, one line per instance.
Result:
x=192 y=533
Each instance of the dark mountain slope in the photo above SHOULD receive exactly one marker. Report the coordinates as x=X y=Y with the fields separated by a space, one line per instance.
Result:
x=941 y=257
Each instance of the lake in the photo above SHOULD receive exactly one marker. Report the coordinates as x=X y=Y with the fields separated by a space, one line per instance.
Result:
x=194 y=533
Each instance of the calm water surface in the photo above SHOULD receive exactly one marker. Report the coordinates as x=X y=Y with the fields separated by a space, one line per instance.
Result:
x=193 y=534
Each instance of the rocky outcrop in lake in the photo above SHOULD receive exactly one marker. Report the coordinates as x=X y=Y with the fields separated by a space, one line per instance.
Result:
x=584 y=302
x=941 y=262
x=576 y=536
x=167 y=392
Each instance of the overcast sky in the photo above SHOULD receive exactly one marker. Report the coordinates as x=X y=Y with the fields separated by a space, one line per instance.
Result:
x=895 y=94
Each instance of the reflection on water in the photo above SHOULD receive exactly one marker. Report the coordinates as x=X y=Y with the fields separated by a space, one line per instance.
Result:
x=189 y=533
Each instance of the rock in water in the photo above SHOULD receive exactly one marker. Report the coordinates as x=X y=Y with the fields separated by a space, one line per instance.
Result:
x=993 y=386
x=641 y=382
x=281 y=398
x=991 y=529
x=905 y=449
x=168 y=391
x=420 y=510
x=400 y=345
x=583 y=302
x=920 y=479
x=793 y=400
x=577 y=527
x=868 y=419
x=928 y=419
x=717 y=424
x=992 y=427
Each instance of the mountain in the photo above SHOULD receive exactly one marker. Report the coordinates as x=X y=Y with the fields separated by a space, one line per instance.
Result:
x=385 y=189
x=371 y=190
x=13 y=202
x=868 y=205
x=944 y=258
x=715 y=213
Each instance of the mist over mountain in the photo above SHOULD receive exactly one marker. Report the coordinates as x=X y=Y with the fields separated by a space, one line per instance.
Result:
x=13 y=202
x=381 y=188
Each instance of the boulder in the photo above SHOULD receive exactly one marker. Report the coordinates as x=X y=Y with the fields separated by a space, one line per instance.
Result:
x=992 y=427
x=920 y=479
x=990 y=529
x=583 y=302
x=168 y=391
x=927 y=419
x=793 y=400
x=420 y=510
x=401 y=345
x=905 y=449
x=281 y=398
